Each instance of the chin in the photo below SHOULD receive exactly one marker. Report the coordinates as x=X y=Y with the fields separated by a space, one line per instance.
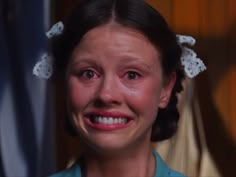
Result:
x=108 y=145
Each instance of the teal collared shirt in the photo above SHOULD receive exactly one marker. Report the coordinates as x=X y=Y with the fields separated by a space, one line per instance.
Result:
x=161 y=170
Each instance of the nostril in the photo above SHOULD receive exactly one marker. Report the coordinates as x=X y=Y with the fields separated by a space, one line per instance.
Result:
x=103 y=102
x=100 y=103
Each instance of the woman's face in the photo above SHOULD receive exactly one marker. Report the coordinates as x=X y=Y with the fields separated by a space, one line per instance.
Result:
x=115 y=87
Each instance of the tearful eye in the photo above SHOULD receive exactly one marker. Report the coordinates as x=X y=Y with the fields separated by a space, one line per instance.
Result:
x=131 y=75
x=88 y=74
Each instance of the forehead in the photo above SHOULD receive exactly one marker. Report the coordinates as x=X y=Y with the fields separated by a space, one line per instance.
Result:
x=115 y=29
x=117 y=37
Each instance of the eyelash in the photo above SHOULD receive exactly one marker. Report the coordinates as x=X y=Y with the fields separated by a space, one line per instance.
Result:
x=134 y=73
x=88 y=74
x=84 y=74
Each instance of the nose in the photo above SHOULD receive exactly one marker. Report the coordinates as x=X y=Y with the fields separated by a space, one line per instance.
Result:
x=108 y=93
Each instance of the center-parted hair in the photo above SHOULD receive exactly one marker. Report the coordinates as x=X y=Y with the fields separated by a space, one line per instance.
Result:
x=138 y=15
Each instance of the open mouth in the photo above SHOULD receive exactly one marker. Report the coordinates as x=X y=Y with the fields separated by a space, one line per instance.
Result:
x=107 y=122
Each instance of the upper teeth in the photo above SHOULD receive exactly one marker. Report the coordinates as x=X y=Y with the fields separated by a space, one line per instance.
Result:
x=110 y=120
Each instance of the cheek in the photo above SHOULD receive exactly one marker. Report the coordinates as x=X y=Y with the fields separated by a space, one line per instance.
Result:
x=78 y=96
x=145 y=98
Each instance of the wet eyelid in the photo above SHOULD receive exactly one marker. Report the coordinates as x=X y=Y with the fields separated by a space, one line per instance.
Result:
x=87 y=75
x=89 y=70
x=132 y=74
x=79 y=71
x=135 y=70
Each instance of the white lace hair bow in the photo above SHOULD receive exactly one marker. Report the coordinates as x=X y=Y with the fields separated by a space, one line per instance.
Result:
x=44 y=68
x=192 y=65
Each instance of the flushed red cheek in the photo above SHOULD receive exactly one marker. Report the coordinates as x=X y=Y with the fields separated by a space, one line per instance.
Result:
x=144 y=104
x=145 y=94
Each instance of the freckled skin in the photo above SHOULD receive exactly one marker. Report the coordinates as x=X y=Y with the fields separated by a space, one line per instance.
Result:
x=120 y=69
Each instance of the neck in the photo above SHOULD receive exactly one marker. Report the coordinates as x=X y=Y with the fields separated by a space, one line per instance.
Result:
x=138 y=162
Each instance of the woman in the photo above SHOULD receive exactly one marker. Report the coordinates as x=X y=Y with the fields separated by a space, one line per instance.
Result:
x=123 y=71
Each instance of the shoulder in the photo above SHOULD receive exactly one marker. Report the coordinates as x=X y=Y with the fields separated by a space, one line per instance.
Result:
x=73 y=171
x=162 y=168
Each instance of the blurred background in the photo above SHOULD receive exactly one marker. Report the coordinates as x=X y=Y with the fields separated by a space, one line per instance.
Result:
x=33 y=139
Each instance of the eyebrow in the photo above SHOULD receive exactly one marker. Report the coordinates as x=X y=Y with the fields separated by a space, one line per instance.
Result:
x=134 y=59
x=83 y=59
x=127 y=59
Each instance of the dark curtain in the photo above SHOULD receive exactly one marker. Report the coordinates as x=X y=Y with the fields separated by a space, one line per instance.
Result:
x=26 y=131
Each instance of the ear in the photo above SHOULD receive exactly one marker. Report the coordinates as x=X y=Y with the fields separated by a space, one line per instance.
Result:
x=167 y=90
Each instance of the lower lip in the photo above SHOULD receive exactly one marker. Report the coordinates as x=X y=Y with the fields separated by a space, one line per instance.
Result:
x=107 y=127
